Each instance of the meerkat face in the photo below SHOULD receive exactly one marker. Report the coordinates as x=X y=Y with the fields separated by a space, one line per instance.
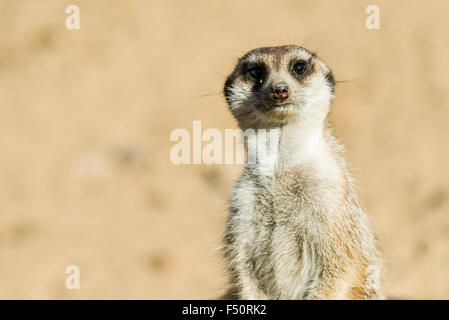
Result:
x=274 y=85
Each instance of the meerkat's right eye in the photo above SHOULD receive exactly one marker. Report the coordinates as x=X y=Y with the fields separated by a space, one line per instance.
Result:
x=256 y=73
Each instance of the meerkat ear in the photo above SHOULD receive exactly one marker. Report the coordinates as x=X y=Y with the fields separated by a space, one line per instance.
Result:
x=331 y=80
x=228 y=83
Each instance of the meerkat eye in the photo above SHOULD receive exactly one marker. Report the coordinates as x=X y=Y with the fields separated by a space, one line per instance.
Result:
x=300 y=68
x=256 y=73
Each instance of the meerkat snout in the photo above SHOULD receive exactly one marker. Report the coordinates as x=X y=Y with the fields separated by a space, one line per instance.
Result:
x=274 y=85
x=279 y=91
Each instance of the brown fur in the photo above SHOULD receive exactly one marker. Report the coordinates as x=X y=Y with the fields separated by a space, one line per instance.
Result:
x=300 y=231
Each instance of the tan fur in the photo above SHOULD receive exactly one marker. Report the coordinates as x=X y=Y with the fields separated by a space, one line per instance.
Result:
x=298 y=232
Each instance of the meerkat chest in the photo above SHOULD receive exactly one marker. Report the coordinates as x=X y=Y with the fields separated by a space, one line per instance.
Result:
x=278 y=226
x=295 y=199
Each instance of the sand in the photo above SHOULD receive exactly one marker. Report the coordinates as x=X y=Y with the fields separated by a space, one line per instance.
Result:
x=86 y=116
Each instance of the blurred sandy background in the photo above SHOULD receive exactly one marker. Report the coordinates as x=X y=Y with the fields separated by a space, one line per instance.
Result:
x=85 y=175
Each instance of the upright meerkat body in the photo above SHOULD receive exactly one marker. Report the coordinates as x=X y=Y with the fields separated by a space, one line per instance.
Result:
x=296 y=229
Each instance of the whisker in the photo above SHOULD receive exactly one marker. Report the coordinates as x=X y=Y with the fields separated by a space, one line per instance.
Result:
x=288 y=34
x=309 y=38
x=211 y=94
x=355 y=82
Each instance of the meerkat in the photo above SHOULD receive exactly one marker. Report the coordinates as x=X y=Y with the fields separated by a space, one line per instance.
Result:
x=299 y=230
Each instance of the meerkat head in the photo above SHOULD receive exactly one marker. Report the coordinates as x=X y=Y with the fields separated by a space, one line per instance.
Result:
x=276 y=85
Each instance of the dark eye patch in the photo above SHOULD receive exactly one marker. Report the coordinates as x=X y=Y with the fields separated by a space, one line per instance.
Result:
x=301 y=68
x=255 y=72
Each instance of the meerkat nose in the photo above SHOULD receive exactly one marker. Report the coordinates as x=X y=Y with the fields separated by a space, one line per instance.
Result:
x=280 y=91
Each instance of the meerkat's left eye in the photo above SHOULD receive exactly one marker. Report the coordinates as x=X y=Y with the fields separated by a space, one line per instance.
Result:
x=300 y=68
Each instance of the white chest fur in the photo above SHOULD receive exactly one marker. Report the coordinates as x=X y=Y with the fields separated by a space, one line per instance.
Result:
x=278 y=217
